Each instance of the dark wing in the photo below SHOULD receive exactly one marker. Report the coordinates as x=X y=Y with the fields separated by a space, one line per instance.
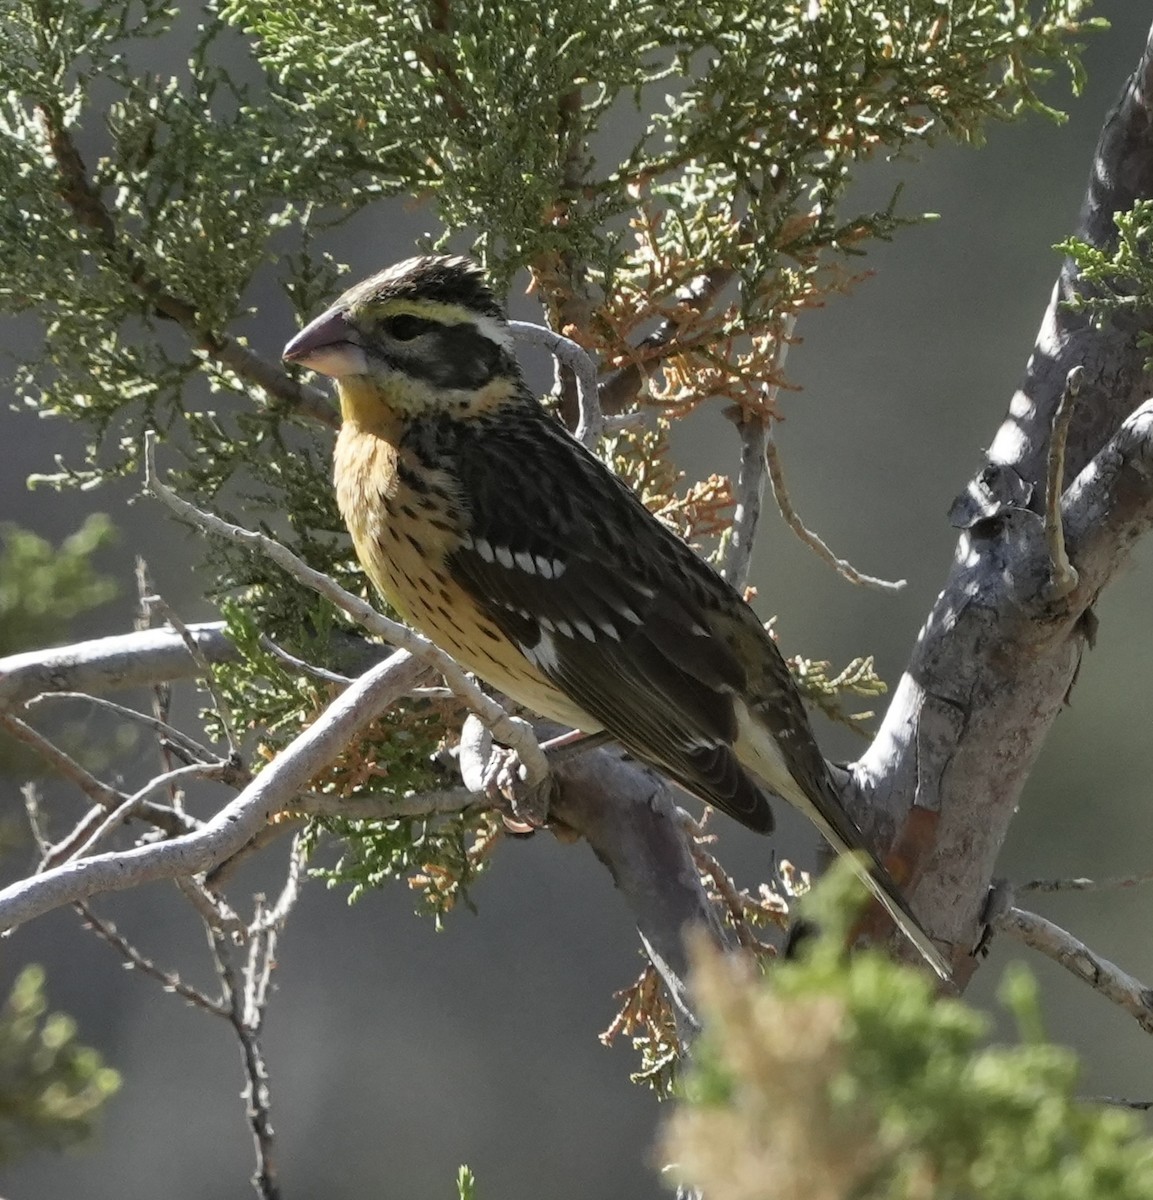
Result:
x=606 y=602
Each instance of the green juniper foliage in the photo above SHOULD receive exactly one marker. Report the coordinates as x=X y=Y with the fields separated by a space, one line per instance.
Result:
x=617 y=151
x=849 y=1079
x=43 y=587
x=1117 y=282
x=51 y=1089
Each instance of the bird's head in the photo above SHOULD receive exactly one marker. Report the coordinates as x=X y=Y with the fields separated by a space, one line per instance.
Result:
x=423 y=335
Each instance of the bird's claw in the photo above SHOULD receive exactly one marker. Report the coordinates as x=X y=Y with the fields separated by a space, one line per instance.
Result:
x=524 y=804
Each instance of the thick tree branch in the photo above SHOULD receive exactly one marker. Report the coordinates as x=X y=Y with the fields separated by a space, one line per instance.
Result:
x=629 y=817
x=998 y=654
x=140 y=659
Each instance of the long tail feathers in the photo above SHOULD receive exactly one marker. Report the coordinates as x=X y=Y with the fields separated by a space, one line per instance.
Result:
x=884 y=889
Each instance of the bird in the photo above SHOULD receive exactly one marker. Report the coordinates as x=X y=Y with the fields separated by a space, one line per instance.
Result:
x=490 y=529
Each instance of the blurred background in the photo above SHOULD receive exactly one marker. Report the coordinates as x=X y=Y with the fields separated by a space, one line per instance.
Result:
x=396 y=1052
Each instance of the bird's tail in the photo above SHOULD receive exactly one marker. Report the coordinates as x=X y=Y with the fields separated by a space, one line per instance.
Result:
x=883 y=888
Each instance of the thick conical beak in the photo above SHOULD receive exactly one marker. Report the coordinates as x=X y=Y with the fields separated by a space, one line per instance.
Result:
x=328 y=345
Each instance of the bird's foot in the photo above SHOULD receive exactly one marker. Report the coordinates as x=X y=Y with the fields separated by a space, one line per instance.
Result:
x=521 y=796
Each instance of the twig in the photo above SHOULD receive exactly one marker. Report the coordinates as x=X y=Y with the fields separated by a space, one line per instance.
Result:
x=726 y=889
x=568 y=745
x=246 y=1017
x=218 y=877
x=128 y=807
x=107 y=797
x=591 y=425
x=1084 y=885
x=171 y=820
x=213 y=910
x=1063 y=575
x=1120 y=1102
x=511 y=731
x=158 y=604
x=272 y=791
x=266 y=643
x=842 y=566
x=189 y=745
x=31 y=796
x=139 y=962
x=385 y=807
x=623 y=386
x=754 y=433
x=275 y=917
x=1099 y=973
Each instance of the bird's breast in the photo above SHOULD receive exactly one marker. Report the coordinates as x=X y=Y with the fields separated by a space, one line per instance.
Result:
x=405 y=518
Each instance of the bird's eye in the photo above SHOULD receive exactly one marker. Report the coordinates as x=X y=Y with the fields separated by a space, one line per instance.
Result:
x=406 y=326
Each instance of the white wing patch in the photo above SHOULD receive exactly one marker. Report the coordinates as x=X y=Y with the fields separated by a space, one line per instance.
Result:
x=543 y=655
x=526 y=561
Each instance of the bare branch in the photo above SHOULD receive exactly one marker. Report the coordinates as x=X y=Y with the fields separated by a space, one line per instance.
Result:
x=750 y=490
x=1084 y=885
x=1063 y=576
x=188 y=745
x=842 y=566
x=158 y=604
x=591 y=425
x=103 y=795
x=140 y=962
x=127 y=660
x=754 y=431
x=129 y=806
x=272 y=791
x=1099 y=973
x=385 y=807
x=216 y=914
x=307 y=668
x=275 y=917
x=1120 y=1102
x=246 y=1018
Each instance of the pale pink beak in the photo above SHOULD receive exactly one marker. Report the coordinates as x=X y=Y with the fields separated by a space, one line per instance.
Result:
x=328 y=345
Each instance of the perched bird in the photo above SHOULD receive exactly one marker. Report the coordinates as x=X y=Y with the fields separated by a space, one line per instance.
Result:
x=502 y=539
